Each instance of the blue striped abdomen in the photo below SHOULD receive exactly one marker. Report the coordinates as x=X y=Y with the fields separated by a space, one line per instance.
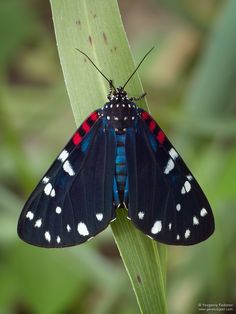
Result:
x=121 y=184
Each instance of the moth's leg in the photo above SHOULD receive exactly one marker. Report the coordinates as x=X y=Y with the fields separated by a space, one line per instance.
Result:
x=138 y=98
x=110 y=89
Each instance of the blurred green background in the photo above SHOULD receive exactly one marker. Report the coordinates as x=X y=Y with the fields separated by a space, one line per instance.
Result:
x=190 y=81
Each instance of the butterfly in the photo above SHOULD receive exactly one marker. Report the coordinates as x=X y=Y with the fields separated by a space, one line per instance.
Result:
x=118 y=157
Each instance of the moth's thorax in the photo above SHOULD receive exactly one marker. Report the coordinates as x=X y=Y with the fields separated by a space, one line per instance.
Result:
x=120 y=112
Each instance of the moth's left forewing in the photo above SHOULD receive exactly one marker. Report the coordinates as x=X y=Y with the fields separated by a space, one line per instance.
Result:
x=165 y=200
x=73 y=201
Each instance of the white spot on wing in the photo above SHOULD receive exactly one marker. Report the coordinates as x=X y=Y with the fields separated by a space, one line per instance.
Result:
x=58 y=210
x=156 y=227
x=187 y=234
x=186 y=188
x=48 y=188
x=47 y=236
x=38 y=223
x=68 y=228
x=173 y=153
x=141 y=215
x=178 y=237
x=67 y=168
x=125 y=118
x=195 y=221
x=82 y=229
x=29 y=215
x=189 y=177
x=170 y=225
x=58 y=239
x=170 y=165
x=178 y=207
x=45 y=180
x=63 y=155
x=108 y=117
x=53 y=193
x=203 y=212
x=99 y=216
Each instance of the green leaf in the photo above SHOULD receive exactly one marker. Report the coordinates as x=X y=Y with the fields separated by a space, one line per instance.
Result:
x=184 y=10
x=214 y=83
x=17 y=25
x=96 y=28
x=145 y=263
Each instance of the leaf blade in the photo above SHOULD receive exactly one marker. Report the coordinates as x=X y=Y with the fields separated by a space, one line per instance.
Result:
x=85 y=26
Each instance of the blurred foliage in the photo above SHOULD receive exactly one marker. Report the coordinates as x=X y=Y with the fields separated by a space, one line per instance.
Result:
x=190 y=80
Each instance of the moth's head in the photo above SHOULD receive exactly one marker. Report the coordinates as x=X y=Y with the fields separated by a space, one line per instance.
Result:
x=120 y=93
x=119 y=112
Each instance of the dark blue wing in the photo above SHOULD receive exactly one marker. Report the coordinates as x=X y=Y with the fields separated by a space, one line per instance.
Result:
x=165 y=201
x=73 y=202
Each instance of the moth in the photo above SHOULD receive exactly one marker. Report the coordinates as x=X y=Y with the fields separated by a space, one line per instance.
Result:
x=118 y=157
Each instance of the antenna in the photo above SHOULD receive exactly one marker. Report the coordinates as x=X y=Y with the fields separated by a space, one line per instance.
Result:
x=109 y=81
x=137 y=67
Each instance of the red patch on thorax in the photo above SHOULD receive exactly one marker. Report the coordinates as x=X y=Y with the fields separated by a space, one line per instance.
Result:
x=94 y=116
x=145 y=115
x=161 y=137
